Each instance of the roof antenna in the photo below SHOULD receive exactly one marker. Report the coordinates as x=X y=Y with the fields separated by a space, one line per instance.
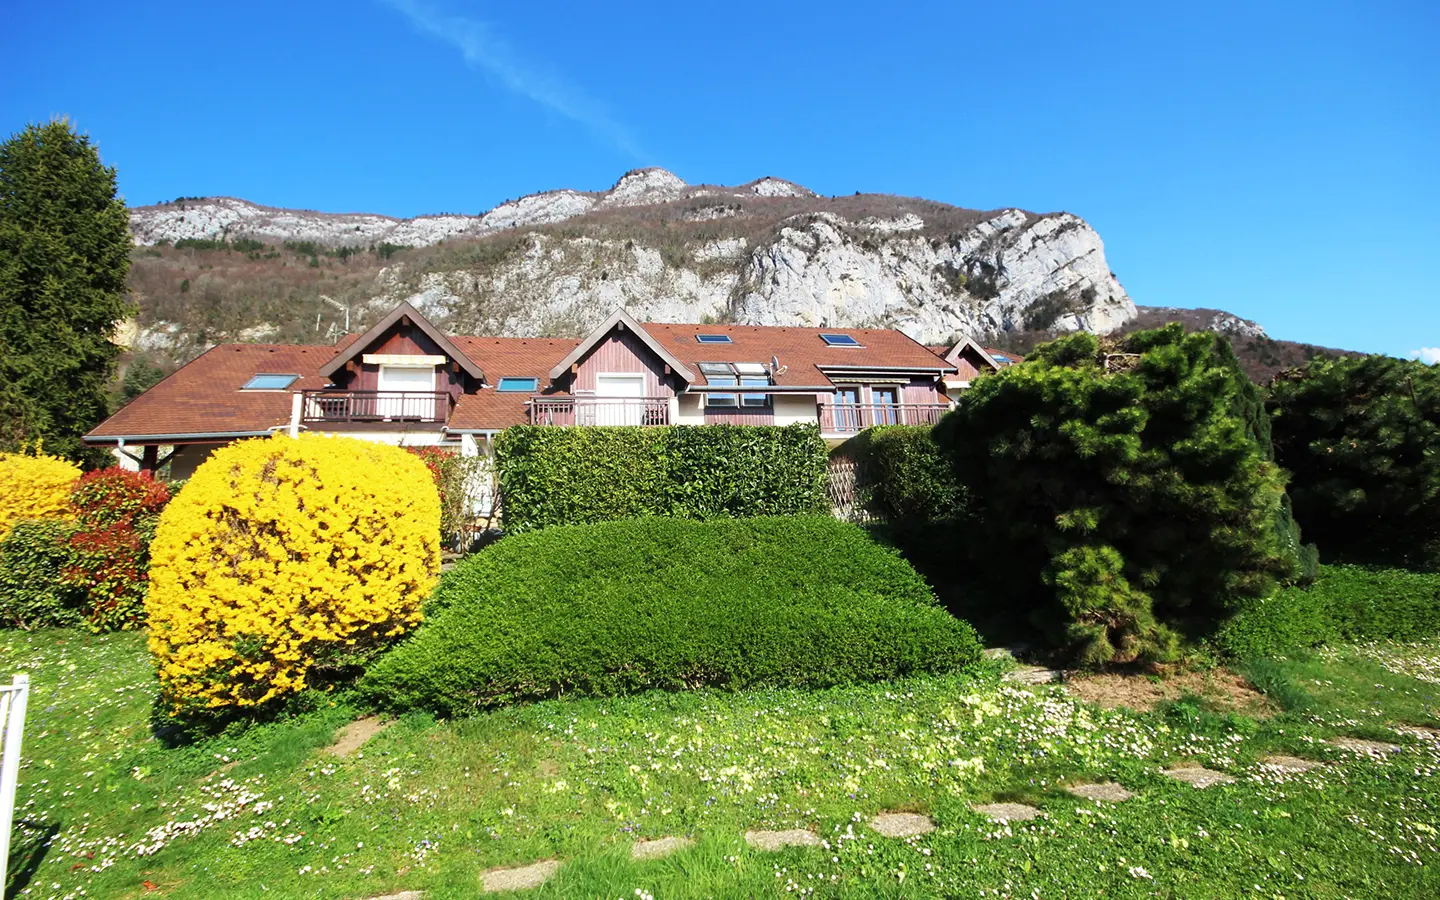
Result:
x=343 y=307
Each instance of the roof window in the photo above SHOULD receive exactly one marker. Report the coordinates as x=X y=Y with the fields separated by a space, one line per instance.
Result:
x=269 y=382
x=518 y=384
x=839 y=340
x=714 y=338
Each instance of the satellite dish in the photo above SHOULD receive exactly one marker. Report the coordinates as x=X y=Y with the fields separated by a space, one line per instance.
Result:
x=776 y=368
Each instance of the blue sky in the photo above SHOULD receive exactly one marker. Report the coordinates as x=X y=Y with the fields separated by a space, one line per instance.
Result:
x=1277 y=160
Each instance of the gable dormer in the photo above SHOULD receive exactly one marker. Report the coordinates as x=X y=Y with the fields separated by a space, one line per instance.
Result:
x=617 y=350
x=403 y=352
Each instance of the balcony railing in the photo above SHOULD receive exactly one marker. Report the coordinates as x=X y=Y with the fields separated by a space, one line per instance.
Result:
x=600 y=411
x=850 y=418
x=330 y=407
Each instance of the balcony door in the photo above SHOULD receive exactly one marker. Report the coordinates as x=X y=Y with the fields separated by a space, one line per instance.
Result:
x=618 y=398
x=406 y=392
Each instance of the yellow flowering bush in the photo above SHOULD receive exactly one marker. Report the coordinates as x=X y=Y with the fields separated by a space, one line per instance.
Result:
x=34 y=487
x=287 y=563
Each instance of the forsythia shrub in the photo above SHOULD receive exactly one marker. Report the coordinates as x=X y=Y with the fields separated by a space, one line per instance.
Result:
x=34 y=487
x=285 y=564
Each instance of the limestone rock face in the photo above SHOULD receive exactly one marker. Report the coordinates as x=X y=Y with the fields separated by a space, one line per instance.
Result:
x=769 y=253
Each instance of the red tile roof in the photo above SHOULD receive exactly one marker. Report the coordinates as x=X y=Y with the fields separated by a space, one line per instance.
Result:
x=800 y=350
x=505 y=358
x=204 y=396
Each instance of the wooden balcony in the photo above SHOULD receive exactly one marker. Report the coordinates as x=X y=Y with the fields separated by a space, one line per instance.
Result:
x=852 y=418
x=600 y=411
x=352 y=407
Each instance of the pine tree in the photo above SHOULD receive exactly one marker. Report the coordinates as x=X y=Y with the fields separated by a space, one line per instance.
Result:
x=64 y=255
x=1125 y=485
x=1361 y=437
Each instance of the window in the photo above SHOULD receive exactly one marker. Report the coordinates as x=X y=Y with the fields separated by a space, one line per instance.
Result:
x=839 y=340
x=1000 y=358
x=716 y=369
x=721 y=399
x=714 y=338
x=885 y=400
x=518 y=384
x=269 y=382
x=754 y=399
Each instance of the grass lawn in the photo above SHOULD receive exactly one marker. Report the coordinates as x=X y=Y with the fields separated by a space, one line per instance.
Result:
x=430 y=805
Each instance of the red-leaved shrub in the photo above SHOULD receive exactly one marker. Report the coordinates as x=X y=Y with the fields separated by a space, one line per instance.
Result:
x=110 y=566
x=114 y=495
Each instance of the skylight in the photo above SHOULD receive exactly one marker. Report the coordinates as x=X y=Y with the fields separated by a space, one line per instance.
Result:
x=267 y=382
x=839 y=340
x=716 y=369
x=518 y=384
x=714 y=338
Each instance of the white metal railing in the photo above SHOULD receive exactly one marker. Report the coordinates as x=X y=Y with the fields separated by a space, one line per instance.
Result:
x=13 y=699
x=600 y=411
x=849 y=418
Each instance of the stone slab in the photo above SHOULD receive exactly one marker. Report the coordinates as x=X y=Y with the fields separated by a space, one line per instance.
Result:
x=353 y=736
x=519 y=879
x=1007 y=812
x=1360 y=745
x=659 y=847
x=898 y=824
x=1199 y=776
x=1423 y=732
x=1032 y=675
x=1107 y=791
x=1290 y=763
x=778 y=840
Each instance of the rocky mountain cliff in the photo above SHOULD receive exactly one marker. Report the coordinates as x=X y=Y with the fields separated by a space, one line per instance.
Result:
x=768 y=252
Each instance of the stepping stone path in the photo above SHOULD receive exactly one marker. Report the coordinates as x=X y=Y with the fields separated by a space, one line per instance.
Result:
x=778 y=840
x=1109 y=792
x=1369 y=748
x=1032 y=675
x=902 y=824
x=1423 y=732
x=1290 y=763
x=519 y=879
x=1199 y=776
x=353 y=736
x=660 y=847
x=1007 y=812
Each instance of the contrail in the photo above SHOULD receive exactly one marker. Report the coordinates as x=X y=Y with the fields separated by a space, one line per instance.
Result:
x=483 y=49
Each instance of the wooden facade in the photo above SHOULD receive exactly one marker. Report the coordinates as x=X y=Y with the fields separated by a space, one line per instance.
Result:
x=621 y=352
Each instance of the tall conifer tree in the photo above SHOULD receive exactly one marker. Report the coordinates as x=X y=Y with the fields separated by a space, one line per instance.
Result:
x=64 y=255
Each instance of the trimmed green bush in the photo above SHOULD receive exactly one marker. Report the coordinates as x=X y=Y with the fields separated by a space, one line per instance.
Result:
x=1345 y=603
x=627 y=606
x=570 y=476
x=907 y=480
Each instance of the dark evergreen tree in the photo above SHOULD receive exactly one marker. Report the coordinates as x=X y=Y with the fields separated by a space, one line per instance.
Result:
x=1124 y=489
x=1361 y=439
x=64 y=255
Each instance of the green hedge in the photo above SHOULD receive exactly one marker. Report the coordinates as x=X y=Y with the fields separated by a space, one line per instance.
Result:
x=570 y=476
x=904 y=479
x=627 y=606
x=1345 y=603
x=32 y=558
